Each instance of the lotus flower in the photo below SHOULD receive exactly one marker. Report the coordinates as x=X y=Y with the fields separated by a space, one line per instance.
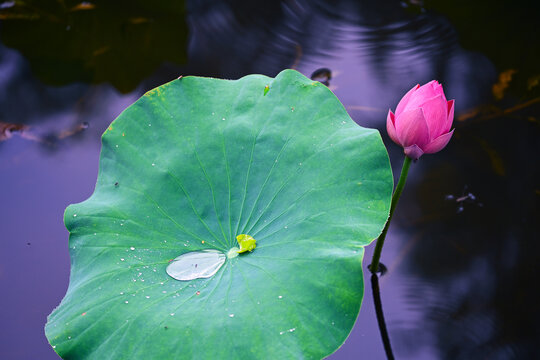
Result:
x=421 y=124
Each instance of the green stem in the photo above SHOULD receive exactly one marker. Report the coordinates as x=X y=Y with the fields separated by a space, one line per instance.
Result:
x=395 y=198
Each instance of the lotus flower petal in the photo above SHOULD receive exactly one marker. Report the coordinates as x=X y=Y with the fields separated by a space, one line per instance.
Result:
x=390 y=127
x=420 y=96
x=436 y=114
x=438 y=88
x=405 y=99
x=439 y=143
x=450 y=116
x=411 y=128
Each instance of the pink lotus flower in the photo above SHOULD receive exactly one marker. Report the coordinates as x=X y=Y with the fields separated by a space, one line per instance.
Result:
x=422 y=121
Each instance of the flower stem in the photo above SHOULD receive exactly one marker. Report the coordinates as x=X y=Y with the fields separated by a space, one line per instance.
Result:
x=374 y=267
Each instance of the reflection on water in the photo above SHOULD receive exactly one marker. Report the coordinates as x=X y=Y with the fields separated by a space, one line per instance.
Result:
x=461 y=277
x=379 y=51
x=121 y=42
x=480 y=262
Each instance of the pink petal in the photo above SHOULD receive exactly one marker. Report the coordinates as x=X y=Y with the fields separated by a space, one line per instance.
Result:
x=439 y=143
x=411 y=128
x=405 y=99
x=436 y=113
x=439 y=89
x=450 y=116
x=390 y=127
x=420 y=96
x=413 y=151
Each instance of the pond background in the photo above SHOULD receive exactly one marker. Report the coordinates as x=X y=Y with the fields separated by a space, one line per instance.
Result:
x=463 y=275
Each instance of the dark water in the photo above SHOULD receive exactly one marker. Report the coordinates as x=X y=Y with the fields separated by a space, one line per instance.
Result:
x=463 y=250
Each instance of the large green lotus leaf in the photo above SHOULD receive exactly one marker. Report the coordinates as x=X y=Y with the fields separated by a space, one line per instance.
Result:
x=190 y=166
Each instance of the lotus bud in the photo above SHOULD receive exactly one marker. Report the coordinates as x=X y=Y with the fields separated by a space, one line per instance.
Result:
x=422 y=121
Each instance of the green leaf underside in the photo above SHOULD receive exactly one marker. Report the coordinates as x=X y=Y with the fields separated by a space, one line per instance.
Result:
x=190 y=166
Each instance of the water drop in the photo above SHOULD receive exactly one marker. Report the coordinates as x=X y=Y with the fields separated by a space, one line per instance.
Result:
x=223 y=119
x=127 y=302
x=172 y=314
x=153 y=164
x=290 y=330
x=132 y=248
x=122 y=259
x=196 y=265
x=280 y=297
x=231 y=315
x=74 y=215
x=148 y=297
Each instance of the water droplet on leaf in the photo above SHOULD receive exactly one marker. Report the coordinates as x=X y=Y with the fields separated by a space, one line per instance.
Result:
x=196 y=265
